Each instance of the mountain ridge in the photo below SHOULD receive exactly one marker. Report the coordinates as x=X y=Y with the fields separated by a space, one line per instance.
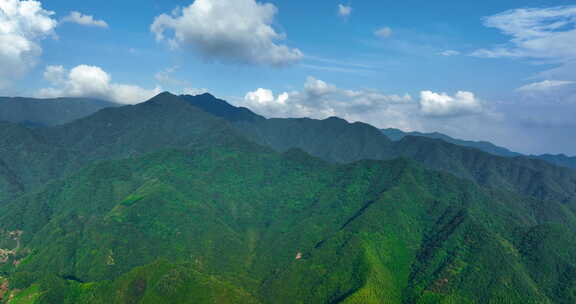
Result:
x=557 y=159
x=397 y=134
x=336 y=140
x=49 y=112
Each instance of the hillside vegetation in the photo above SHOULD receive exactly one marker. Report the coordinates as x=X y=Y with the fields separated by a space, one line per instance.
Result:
x=164 y=202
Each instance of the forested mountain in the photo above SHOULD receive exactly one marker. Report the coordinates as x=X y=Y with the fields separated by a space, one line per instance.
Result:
x=187 y=199
x=559 y=159
x=396 y=135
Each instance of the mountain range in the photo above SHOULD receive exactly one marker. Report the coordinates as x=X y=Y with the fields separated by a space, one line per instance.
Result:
x=188 y=199
x=48 y=112
x=558 y=159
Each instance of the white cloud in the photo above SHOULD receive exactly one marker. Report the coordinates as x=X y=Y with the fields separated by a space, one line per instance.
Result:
x=545 y=85
x=55 y=74
x=319 y=99
x=194 y=91
x=541 y=33
x=92 y=81
x=87 y=20
x=166 y=79
x=384 y=32
x=265 y=97
x=165 y=76
x=23 y=24
x=237 y=31
x=449 y=53
x=557 y=96
x=442 y=104
x=344 y=10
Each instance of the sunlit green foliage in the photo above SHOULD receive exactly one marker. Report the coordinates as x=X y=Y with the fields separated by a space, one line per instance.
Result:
x=227 y=225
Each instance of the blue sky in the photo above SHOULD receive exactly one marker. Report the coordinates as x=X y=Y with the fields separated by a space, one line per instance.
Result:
x=492 y=70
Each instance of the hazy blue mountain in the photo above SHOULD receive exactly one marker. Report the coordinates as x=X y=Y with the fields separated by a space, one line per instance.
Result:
x=559 y=159
x=396 y=135
x=48 y=112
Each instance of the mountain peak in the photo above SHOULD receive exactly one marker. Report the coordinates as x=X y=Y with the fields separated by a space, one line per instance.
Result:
x=163 y=98
x=218 y=107
x=336 y=119
x=164 y=95
x=206 y=95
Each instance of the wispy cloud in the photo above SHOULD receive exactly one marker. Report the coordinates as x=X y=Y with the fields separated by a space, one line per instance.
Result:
x=545 y=85
x=538 y=33
x=344 y=10
x=335 y=69
x=336 y=65
x=449 y=53
x=86 y=20
x=384 y=32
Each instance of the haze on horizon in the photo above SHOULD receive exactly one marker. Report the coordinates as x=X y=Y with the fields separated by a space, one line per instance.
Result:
x=493 y=70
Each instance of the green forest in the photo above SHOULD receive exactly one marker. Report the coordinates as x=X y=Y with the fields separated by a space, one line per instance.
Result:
x=187 y=199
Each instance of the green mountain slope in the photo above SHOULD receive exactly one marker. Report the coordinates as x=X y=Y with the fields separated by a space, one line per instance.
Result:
x=240 y=225
x=48 y=112
x=165 y=202
x=31 y=157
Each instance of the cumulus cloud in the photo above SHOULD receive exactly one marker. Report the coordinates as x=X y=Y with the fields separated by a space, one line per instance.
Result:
x=384 y=32
x=87 y=20
x=542 y=33
x=55 y=74
x=442 y=104
x=236 y=31
x=23 y=24
x=320 y=99
x=344 y=10
x=92 y=81
x=545 y=85
x=449 y=53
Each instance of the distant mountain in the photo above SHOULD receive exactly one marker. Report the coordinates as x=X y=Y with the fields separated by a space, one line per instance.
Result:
x=560 y=159
x=48 y=112
x=396 y=135
x=192 y=200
